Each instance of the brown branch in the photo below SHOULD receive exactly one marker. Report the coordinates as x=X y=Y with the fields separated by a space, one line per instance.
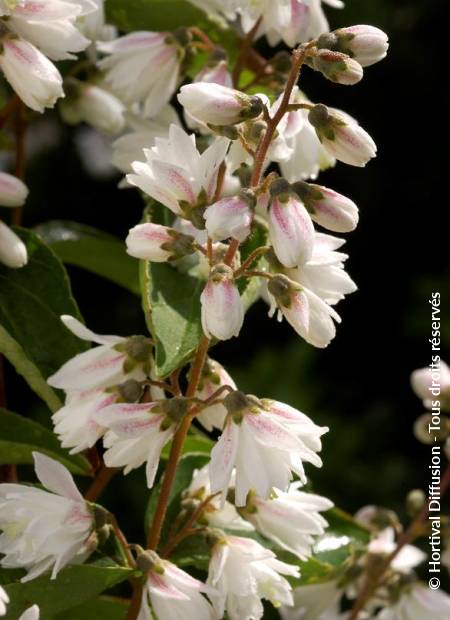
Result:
x=244 y=52
x=99 y=484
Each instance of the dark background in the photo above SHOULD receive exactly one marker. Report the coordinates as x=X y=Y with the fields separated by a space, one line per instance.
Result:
x=359 y=385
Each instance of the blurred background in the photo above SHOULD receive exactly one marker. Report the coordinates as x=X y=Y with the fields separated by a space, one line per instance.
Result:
x=358 y=386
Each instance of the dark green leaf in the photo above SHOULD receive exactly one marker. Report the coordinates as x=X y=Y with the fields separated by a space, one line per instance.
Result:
x=102 y=608
x=73 y=586
x=183 y=477
x=89 y=248
x=19 y=437
x=32 y=299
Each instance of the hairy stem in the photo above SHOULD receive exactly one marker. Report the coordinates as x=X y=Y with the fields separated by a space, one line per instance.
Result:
x=177 y=447
x=372 y=583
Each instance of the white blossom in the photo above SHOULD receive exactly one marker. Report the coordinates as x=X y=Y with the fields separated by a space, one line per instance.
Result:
x=93 y=24
x=96 y=106
x=429 y=383
x=44 y=530
x=177 y=175
x=113 y=362
x=328 y=208
x=366 y=44
x=230 y=217
x=4 y=600
x=418 y=602
x=32 y=613
x=244 y=572
x=338 y=67
x=51 y=26
x=213 y=377
x=142 y=67
x=157 y=243
x=34 y=78
x=264 y=441
x=13 y=191
x=13 y=252
x=313 y=602
x=291 y=519
x=406 y=560
x=291 y=230
x=222 y=309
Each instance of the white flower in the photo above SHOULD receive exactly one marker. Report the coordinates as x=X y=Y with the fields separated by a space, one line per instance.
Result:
x=13 y=252
x=95 y=106
x=366 y=44
x=221 y=515
x=341 y=136
x=408 y=558
x=177 y=175
x=431 y=383
x=34 y=78
x=138 y=432
x=291 y=519
x=42 y=529
x=113 y=362
x=291 y=230
x=32 y=613
x=313 y=602
x=265 y=441
x=157 y=243
x=222 y=308
x=142 y=67
x=338 y=67
x=328 y=208
x=217 y=7
x=325 y=274
x=170 y=593
x=13 y=191
x=216 y=74
x=4 y=600
x=93 y=25
x=51 y=26
x=230 y=217
x=418 y=603
x=130 y=147
x=219 y=105
x=310 y=316
x=244 y=572
x=308 y=156
x=213 y=377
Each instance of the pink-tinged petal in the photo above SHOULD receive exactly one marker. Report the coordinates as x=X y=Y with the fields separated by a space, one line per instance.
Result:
x=159 y=585
x=223 y=458
x=55 y=477
x=270 y=433
x=83 y=332
x=130 y=420
x=177 y=180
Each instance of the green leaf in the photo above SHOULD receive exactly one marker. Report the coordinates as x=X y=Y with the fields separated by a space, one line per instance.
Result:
x=104 y=607
x=19 y=437
x=183 y=477
x=32 y=299
x=73 y=586
x=89 y=248
x=171 y=301
x=131 y=15
x=16 y=355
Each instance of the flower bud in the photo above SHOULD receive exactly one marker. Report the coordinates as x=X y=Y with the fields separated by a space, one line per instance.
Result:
x=338 y=67
x=93 y=105
x=222 y=309
x=366 y=44
x=157 y=243
x=415 y=501
x=231 y=217
x=291 y=230
x=341 y=136
x=331 y=210
x=217 y=104
x=13 y=192
x=34 y=78
x=13 y=252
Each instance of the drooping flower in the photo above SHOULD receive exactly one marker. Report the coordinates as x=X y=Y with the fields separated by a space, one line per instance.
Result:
x=138 y=432
x=265 y=442
x=243 y=572
x=431 y=383
x=328 y=208
x=366 y=44
x=178 y=176
x=31 y=74
x=44 y=530
x=13 y=252
x=13 y=191
x=231 y=217
x=222 y=308
x=157 y=243
x=112 y=363
x=338 y=67
x=310 y=316
x=405 y=561
x=291 y=519
x=213 y=377
x=4 y=600
x=171 y=593
x=418 y=602
x=341 y=136
x=143 y=67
